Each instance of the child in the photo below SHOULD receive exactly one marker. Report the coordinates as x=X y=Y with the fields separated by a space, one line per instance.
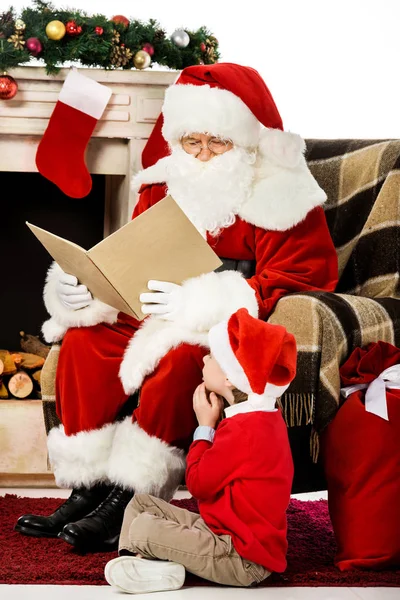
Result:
x=241 y=474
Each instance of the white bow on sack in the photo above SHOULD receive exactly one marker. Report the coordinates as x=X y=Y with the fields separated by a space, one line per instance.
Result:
x=375 y=396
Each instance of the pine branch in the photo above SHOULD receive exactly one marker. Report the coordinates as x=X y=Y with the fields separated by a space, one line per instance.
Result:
x=93 y=49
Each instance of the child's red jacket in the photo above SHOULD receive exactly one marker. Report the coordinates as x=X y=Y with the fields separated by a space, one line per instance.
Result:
x=242 y=482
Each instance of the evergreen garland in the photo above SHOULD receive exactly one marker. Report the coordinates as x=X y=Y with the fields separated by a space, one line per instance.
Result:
x=95 y=50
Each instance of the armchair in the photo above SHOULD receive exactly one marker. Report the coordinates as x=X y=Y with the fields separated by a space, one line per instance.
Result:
x=362 y=181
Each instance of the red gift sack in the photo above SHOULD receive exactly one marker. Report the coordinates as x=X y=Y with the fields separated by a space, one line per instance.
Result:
x=361 y=455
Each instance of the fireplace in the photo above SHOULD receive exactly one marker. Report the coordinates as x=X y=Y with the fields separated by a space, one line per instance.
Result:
x=113 y=156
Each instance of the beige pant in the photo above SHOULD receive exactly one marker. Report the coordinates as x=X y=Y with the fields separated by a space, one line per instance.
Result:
x=158 y=530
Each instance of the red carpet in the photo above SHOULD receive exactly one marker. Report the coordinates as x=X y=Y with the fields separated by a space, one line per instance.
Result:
x=27 y=560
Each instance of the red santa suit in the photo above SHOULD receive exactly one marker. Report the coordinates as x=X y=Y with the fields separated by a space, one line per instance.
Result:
x=106 y=356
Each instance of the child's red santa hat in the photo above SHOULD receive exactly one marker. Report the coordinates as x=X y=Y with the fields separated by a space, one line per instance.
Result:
x=258 y=358
x=227 y=100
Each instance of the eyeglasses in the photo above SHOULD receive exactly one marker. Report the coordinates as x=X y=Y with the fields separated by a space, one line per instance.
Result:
x=215 y=145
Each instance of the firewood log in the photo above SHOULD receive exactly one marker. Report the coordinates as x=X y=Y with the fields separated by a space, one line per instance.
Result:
x=36 y=376
x=20 y=385
x=3 y=391
x=17 y=358
x=9 y=367
x=32 y=344
x=29 y=361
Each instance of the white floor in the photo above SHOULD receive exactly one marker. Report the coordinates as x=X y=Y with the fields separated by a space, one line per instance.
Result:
x=88 y=592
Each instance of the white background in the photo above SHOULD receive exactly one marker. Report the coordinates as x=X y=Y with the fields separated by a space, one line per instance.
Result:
x=333 y=66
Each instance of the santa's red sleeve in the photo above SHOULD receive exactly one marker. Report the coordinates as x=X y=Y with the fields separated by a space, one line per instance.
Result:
x=211 y=467
x=301 y=259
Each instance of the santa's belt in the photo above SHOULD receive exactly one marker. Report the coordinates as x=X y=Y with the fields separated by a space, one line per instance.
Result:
x=246 y=267
x=375 y=396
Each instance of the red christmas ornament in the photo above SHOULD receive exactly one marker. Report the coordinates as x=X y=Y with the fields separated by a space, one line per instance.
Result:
x=72 y=28
x=202 y=47
x=99 y=30
x=34 y=45
x=148 y=48
x=8 y=87
x=121 y=19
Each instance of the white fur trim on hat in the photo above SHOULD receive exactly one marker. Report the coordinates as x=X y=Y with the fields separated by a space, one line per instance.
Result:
x=203 y=109
x=144 y=463
x=63 y=318
x=221 y=349
x=80 y=460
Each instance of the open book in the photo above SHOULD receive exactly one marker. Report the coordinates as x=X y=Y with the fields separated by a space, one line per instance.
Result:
x=161 y=243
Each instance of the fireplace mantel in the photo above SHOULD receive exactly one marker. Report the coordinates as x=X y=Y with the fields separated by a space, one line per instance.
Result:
x=117 y=141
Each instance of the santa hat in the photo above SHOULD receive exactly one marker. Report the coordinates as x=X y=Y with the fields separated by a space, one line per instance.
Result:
x=227 y=100
x=258 y=358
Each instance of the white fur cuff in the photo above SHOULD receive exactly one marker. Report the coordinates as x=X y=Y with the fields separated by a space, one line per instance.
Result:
x=63 y=318
x=144 y=463
x=52 y=331
x=80 y=460
x=214 y=297
x=203 y=109
x=151 y=342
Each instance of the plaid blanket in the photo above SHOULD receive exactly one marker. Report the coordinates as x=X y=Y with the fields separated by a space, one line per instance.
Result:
x=362 y=181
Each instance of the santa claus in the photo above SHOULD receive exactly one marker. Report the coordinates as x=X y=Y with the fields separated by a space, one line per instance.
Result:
x=220 y=150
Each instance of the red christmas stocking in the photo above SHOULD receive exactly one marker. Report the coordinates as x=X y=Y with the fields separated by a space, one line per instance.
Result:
x=61 y=153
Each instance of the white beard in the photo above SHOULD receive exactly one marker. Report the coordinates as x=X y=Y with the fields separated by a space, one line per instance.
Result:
x=210 y=193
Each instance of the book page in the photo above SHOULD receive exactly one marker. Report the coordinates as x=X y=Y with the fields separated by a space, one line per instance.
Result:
x=75 y=260
x=161 y=243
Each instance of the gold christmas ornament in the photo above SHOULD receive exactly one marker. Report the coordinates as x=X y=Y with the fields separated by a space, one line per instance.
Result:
x=142 y=59
x=55 y=30
x=20 y=25
x=17 y=40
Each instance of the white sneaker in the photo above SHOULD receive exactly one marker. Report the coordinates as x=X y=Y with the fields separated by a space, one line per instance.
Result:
x=135 y=575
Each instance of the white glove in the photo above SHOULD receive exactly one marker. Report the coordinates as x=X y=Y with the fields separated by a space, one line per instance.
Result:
x=71 y=294
x=167 y=301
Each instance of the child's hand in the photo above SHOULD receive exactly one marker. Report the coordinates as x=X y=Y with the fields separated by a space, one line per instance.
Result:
x=207 y=411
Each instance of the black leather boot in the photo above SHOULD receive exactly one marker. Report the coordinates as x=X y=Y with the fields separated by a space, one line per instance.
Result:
x=99 y=530
x=80 y=503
